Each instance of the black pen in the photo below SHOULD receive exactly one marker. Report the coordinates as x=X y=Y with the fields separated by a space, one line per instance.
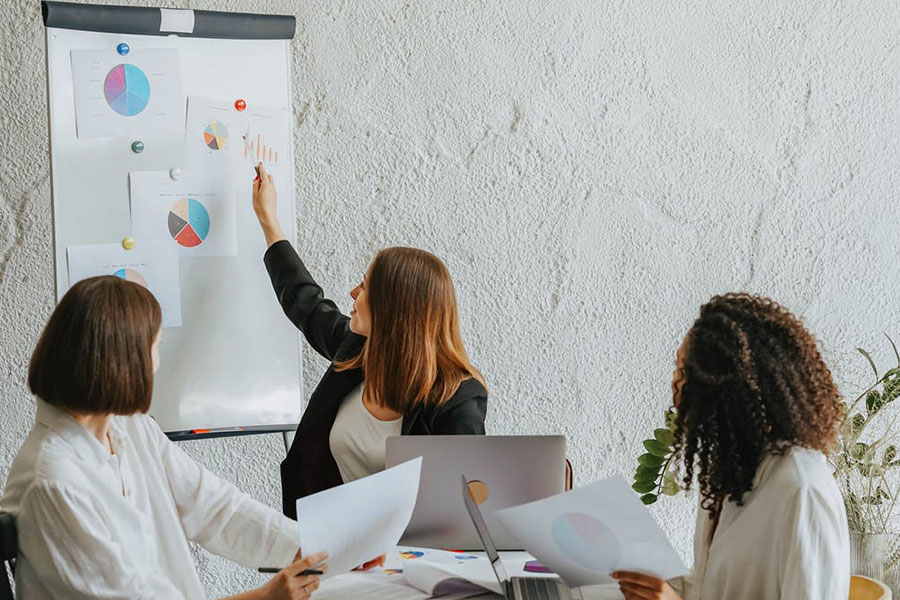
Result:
x=303 y=573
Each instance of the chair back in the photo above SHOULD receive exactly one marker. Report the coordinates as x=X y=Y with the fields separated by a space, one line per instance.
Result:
x=570 y=475
x=864 y=588
x=9 y=548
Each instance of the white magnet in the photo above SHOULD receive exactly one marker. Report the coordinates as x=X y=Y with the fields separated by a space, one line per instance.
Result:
x=175 y=173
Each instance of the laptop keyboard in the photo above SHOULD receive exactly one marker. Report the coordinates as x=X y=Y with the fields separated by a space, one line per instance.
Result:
x=539 y=588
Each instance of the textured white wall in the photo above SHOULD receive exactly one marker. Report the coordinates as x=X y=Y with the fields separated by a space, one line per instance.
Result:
x=590 y=171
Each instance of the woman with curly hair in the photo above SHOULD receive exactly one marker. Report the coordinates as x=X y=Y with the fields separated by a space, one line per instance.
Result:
x=757 y=412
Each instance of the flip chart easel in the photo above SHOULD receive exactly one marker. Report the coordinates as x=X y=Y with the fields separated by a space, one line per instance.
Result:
x=233 y=367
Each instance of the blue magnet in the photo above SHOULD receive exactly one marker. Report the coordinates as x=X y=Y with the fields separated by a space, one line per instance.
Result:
x=123 y=48
x=137 y=146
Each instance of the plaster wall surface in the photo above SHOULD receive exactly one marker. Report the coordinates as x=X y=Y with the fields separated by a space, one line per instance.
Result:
x=590 y=171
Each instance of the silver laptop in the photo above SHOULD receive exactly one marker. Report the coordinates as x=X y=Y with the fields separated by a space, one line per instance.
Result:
x=506 y=470
x=514 y=588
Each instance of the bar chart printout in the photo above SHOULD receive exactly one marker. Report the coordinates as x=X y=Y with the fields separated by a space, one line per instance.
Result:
x=257 y=149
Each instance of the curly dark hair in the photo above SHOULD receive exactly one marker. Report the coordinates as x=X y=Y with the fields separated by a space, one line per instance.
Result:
x=753 y=383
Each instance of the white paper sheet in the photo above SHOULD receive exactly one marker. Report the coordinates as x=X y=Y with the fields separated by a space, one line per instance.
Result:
x=153 y=265
x=217 y=134
x=195 y=213
x=585 y=534
x=360 y=520
x=139 y=93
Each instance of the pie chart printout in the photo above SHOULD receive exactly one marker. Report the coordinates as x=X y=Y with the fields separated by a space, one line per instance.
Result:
x=188 y=222
x=131 y=275
x=587 y=541
x=126 y=89
x=215 y=135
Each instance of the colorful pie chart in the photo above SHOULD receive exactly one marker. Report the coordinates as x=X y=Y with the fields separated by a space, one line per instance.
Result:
x=215 y=135
x=587 y=540
x=127 y=89
x=131 y=275
x=188 y=222
x=409 y=554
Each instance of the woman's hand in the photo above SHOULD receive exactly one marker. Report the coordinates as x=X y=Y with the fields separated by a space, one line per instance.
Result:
x=375 y=562
x=637 y=586
x=265 y=205
x=288 y=584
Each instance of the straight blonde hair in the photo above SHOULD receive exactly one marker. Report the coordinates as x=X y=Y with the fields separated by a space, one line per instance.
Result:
x=414 y=354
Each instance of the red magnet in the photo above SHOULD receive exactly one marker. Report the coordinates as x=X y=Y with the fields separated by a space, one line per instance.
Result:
x=240 y=104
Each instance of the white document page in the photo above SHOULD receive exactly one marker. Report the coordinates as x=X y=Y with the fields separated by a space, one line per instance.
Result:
x=194 y=214
x=360 y=520
x=138 y=94
x=585 y=534
x=152 y=265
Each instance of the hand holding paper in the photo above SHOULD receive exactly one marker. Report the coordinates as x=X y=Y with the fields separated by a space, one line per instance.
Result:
x=586 y=534
x=360 y=520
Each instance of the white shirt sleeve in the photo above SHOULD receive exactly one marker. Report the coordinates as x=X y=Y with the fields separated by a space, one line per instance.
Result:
x=815 y=555
x=221 y=518
x=56 y=527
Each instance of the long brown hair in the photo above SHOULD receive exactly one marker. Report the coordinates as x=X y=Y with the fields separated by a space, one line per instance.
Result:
x=414 y=353
x=94 y=356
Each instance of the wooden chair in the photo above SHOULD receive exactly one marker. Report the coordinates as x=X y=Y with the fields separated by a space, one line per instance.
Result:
x=863 y=588
x=9 y=548
x=570 y=475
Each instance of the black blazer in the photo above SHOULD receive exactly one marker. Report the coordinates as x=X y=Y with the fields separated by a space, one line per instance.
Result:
x=309 y=466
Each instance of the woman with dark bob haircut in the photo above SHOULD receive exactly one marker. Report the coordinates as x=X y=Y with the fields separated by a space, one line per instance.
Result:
x=757 y=412
x=104 y=503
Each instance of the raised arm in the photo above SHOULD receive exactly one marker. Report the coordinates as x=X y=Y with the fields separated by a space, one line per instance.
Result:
x=301 y=298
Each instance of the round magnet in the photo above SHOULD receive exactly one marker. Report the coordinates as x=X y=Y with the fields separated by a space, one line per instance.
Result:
x=175 y=173
x=123 y=48
x=137 y=146
x=240 y=104
x=128 y=243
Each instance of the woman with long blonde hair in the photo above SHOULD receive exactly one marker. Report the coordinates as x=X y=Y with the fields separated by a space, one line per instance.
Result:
x=398 y=364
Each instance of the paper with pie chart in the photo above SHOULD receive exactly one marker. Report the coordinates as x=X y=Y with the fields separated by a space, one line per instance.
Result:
x=585 y=534
x=195 y=214
x=152 y=265
x=217 y=134
x=138 y=93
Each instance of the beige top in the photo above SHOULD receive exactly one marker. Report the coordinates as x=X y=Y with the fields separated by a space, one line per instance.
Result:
x=357 y=438
x=789 y=541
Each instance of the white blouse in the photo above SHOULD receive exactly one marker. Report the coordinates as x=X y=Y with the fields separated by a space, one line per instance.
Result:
x=115 y=526
x=789 y=540
x=357 y=439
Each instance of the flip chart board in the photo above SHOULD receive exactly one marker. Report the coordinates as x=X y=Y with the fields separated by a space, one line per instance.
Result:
x=157 y=118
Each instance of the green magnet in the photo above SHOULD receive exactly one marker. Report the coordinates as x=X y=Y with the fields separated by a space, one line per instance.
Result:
x=137 y=146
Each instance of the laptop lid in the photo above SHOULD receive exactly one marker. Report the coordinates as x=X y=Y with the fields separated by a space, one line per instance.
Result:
x=484 y=535
x=513 y=470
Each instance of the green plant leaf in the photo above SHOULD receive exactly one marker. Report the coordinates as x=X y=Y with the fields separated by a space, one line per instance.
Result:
x=651 y=460
x=894 y=346
x=664 y=436
x=859 y=451
x=645 y=472
x=655 y=448
x=857 y=422
x=670 y=487
x=649 y=498
x=671 y=417
x=890 y=453
x=874 y=402
x=642 y=487
x=869 y=358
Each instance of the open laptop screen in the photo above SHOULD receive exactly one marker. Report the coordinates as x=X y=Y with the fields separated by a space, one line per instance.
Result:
x=486 y=540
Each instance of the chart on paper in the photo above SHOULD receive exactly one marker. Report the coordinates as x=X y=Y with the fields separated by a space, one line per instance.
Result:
x=126 y=89
x=188 y=222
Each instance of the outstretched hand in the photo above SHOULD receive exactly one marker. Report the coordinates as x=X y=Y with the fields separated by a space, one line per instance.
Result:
x=265 y=205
